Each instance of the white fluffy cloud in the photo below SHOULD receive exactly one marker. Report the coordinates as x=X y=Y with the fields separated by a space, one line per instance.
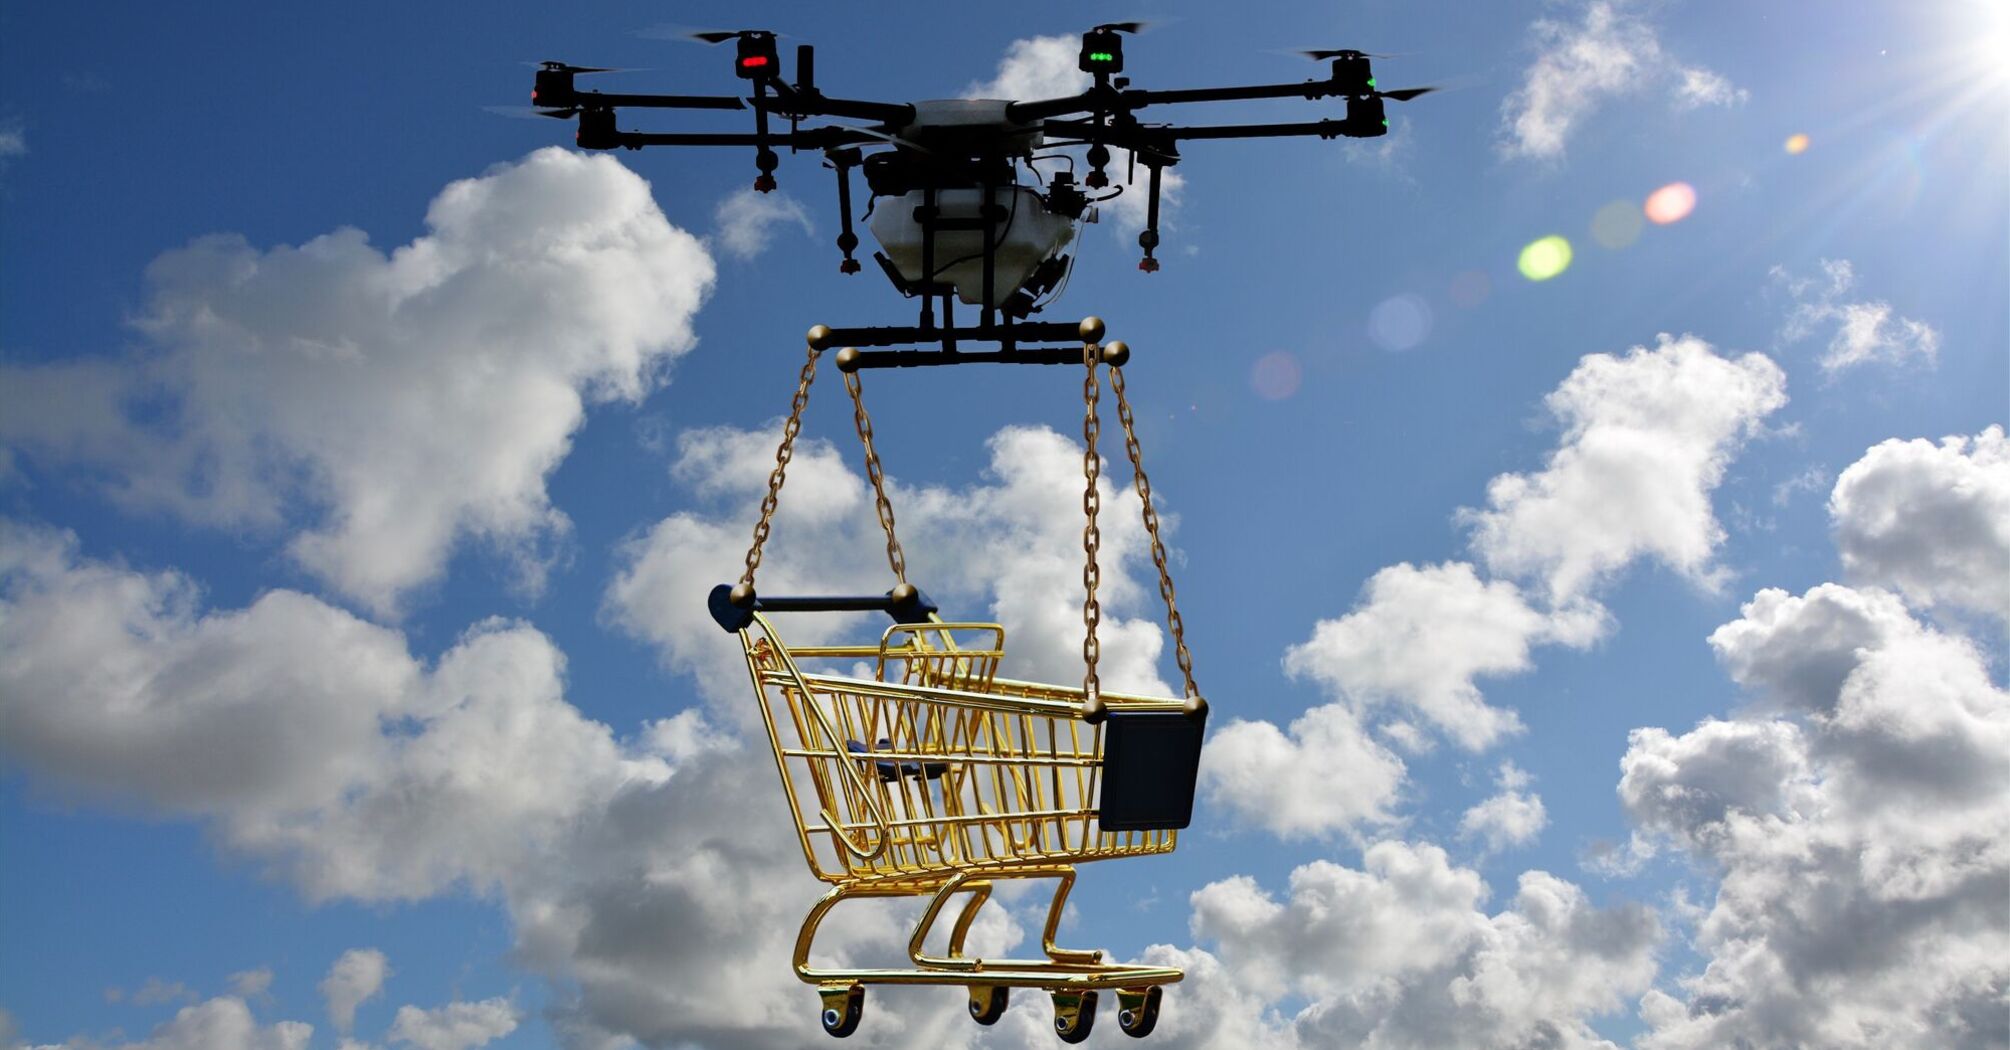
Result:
x=1400 y=953
x=222 y=1023
x=1931 y=521
x=635 y=872
x=356 y=977
x=1859 y=332
x=455 y=1026
x=1860 y=830
x=1420 y=636
x=1647 y=438
x=1047 y=67
x=1513 y=817
x=1009 y=545
x=1324 y=773
x=1610 y=52
x=379 y=408
x=309 y=737
x=747 y=219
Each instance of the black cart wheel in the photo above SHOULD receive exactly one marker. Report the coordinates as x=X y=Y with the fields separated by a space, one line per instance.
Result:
x=842 y=1009
x=1139 y=1011
x=987 y=1002
x=1074 y=1015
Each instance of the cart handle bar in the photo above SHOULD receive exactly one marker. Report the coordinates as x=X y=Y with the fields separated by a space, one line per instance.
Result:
x=735 y=611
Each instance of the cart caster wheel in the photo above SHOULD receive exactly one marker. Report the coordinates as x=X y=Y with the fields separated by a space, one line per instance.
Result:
x=1074 y=1015
x=987 y=1002
x=1138 y=1012
x=843 y=1006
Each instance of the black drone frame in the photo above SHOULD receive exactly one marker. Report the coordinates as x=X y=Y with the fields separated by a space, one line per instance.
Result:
x=1103 y=117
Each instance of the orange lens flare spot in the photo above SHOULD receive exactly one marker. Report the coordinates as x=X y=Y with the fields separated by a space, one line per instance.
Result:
x=1797 y=143
x=1670 y=203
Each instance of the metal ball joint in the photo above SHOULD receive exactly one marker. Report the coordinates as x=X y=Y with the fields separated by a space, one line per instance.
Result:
x=847 y=359
x=819 y=336
x=1091 y=329
x=904 y=592
x=1116 y=353
x=742 y=596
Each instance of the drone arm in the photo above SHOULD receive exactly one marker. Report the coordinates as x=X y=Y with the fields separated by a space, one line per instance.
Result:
x=811 y=138
x=1309 y=89
x=798 y=103
x=1325 y=129
x=1137 y=98
x=1089 y=101
x=596 y=99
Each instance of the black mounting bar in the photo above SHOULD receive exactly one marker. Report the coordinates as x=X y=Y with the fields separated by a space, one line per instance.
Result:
x=1009 y=335
x=1038 y=355
x=914 y=608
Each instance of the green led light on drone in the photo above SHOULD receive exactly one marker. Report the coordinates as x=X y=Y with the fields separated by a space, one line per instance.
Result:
x=1371 y=81
x=1101 y=56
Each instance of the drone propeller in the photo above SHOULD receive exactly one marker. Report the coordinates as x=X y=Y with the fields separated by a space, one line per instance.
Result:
x=1406 y=94
x=716 y=37
x=562 y=67
x=1348 y=52
x=1133 y=28
x=527 y=112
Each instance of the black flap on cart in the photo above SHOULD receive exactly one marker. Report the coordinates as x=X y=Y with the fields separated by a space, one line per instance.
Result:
x=1150 y=761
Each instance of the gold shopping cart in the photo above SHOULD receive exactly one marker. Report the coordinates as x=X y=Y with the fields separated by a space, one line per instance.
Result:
x=935 y=777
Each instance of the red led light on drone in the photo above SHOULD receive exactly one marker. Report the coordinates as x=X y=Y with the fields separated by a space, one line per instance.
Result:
x=753 y=61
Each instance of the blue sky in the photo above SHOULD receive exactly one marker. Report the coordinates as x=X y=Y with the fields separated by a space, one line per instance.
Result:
x=1616 y=658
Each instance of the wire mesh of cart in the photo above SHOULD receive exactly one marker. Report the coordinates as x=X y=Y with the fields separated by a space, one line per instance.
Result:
x=912 y=769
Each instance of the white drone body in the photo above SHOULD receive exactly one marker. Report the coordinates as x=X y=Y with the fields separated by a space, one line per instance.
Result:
x=1031 y=234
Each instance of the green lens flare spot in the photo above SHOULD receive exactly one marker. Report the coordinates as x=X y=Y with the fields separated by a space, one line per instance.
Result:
x=1544 y=258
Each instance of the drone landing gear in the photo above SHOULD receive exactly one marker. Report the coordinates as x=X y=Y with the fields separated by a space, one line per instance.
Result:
x=844 y=160
x=765 y=160
x=1150 y=238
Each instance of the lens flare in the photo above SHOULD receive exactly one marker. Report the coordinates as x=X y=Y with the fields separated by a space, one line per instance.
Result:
x=1400 y=322
x=1616 y=225
x=1544 y=258
x=1275 y=376
x=1797 y=143
x=1470 y=288
x=1670 y=203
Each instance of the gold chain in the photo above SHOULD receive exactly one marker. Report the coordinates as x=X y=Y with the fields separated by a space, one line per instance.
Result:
x=1144 y=485
x=1092 y=535
x=895 y=557
x=782 y=456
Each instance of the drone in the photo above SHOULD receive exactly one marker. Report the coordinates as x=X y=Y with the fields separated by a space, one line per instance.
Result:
x=957 y=199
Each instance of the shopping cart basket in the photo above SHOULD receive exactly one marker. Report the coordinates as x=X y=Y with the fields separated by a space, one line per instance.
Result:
x=933 y=776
